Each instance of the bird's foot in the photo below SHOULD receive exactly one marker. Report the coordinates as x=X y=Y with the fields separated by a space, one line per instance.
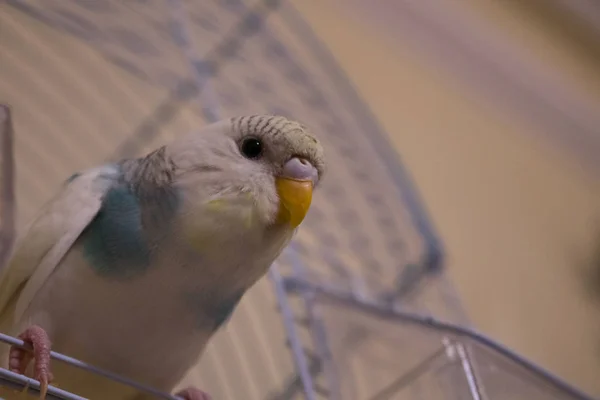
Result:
x=19 y=358
x=193 y=393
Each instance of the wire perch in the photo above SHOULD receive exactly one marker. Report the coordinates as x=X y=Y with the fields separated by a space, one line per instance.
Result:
x=284 y=69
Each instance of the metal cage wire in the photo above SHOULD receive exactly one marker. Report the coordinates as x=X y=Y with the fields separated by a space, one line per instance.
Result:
x=365 y=268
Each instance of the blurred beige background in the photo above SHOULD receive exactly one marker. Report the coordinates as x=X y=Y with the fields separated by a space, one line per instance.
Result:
x=519 y=213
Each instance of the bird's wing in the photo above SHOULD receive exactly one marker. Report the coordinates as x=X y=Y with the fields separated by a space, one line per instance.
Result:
x=49 y=237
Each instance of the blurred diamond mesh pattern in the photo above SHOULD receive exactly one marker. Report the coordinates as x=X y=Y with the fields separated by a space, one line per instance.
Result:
x=378 y=357
x=95 y=80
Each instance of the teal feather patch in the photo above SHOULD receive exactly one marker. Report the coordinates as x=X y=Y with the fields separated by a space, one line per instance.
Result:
x=213 y=310
x=224 y=310
x=114 y=242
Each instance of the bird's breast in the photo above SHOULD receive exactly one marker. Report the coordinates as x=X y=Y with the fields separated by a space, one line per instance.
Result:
x=210 y=225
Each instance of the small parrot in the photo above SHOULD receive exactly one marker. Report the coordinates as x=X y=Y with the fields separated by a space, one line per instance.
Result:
x=132 y=266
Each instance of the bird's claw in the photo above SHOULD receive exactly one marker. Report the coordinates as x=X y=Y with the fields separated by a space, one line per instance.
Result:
x=19 y=358
x=193 y=393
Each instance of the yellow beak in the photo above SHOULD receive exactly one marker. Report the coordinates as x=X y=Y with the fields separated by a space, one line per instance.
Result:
x=295 y=198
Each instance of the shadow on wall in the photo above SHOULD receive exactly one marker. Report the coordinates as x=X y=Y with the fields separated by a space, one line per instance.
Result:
x=590 y=275
x=590 y=267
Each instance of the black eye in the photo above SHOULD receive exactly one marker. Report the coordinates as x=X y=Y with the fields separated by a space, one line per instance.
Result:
x=252 y=148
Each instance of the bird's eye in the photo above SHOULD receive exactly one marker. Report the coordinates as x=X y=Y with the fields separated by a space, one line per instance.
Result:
x=252 y=148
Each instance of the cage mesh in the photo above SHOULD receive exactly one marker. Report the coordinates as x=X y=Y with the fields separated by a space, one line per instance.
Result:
x=91 y=81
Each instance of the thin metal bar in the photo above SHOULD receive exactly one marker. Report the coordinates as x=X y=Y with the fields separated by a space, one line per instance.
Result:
x=19 y=382
x=186 y=90
x=81 y=365
x=208 y=101
x=295 y=343
x=468 y=370
x=408 y=377
x=434 y=251
x=294 y=385
x=7 y=197
x=337 y=296
x=318 y=331
x=476 y=372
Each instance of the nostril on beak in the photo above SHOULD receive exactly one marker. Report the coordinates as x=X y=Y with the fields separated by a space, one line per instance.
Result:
x=300 y=168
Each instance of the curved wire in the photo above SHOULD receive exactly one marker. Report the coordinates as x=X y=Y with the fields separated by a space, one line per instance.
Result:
x=185 y=91
x=210 y=106
x=295 y=343
x=208 y=101
x=20 y=382
x=81 y=365
x=433 y=259
x=340 y=297
x=434 y=252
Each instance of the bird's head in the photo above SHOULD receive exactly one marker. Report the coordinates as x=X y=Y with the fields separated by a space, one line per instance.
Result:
x=271 y=160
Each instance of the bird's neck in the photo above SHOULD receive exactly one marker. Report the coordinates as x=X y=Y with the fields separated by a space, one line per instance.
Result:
x=154 y=170
x=150 y=179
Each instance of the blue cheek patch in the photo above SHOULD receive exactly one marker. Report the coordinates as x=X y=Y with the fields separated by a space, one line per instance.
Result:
x=114 y=242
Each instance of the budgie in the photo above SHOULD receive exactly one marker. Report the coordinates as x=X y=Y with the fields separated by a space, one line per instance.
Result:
x=134 y=265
